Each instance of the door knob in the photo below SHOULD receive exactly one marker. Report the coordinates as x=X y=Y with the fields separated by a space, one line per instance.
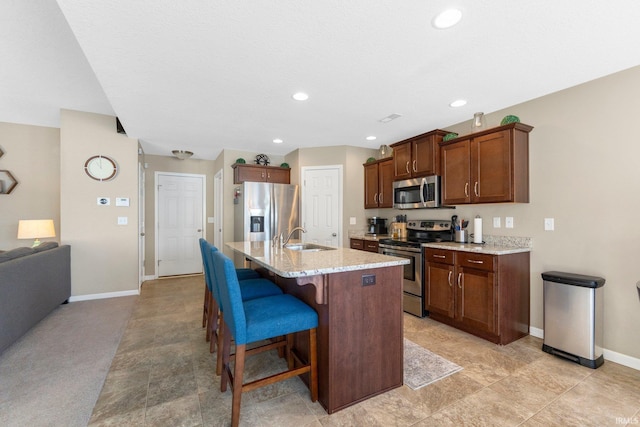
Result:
x=142 y=234
x=334 y=234
x=199 y=230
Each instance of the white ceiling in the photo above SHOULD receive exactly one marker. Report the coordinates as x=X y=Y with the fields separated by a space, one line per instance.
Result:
x=204 y=75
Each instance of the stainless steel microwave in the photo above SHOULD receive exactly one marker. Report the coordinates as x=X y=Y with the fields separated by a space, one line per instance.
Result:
x=417 y=193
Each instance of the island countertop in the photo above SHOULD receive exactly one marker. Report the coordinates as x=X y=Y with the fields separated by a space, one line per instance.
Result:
x=290 y=263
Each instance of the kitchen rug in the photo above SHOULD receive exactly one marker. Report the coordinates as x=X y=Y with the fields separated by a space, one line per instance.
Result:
x=422 y=367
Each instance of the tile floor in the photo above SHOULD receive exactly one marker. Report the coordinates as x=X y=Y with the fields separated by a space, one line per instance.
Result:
x=163 y=375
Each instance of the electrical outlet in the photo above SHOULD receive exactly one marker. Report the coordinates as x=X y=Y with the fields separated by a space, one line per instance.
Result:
x=496 y=222
x=368 y=279
x=352 y=220
x=508 y=222
x=123 y=220
x=549 y=224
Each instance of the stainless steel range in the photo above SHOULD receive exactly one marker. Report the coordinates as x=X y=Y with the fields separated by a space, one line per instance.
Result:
x=418 y=232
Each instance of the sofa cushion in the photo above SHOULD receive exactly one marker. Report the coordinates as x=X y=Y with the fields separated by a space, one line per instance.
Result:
x=15 y=253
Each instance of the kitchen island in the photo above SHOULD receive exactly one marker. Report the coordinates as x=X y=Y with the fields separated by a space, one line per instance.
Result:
x=358 y=298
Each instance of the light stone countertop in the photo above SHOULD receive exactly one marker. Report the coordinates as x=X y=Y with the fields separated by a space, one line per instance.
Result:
x=488 y=248
x=289 y=263
x=364 y=236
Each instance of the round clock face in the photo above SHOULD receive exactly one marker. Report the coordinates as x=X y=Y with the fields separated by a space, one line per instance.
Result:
x=101 y=168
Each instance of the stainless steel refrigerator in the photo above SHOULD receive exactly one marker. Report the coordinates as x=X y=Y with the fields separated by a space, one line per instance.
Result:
x=263 y=210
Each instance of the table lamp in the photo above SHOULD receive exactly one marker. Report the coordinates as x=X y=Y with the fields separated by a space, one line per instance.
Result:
x=35 y=229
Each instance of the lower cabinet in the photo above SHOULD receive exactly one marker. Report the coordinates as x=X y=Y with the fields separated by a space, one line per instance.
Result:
x=486 y=295
x=364 y=245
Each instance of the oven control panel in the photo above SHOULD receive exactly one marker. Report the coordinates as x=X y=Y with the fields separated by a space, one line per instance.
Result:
x=429 y=224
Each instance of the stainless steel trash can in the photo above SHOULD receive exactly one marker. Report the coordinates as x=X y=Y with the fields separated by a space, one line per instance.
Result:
x=573 y=307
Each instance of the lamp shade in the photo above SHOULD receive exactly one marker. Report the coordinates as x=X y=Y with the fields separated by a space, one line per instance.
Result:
x=36 y=228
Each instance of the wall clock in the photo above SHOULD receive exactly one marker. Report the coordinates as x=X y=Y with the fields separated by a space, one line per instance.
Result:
x=262 y=159
x=101 y=168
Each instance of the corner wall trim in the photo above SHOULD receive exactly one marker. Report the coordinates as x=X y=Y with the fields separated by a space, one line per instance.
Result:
x=102 y=296
x=613 y=356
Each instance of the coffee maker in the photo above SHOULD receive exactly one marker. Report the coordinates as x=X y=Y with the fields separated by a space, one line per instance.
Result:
x=377 y=225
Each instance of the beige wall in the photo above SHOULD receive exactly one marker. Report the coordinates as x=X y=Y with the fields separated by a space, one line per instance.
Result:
x=104 y=255
x=32 y=155
x=155 y=164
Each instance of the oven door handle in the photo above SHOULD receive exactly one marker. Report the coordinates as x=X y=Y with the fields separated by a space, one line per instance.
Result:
x=399 y=249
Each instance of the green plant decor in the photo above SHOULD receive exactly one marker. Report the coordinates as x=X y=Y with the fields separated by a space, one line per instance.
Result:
x=371 y=159
x=241 y=161
x=284 y=165
x=449 y=136
x=509 y=119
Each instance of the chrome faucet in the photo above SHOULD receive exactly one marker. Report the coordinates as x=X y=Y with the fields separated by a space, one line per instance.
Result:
x=291 y=232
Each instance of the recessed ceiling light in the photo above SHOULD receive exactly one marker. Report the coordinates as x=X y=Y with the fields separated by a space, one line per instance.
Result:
x=447 y=18
x=458 y=103
x=300 y=96
x=371 y=138
x=278 y=141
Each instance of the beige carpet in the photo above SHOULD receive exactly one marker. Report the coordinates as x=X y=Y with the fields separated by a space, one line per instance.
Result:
x=53 y=375
x=422 y=367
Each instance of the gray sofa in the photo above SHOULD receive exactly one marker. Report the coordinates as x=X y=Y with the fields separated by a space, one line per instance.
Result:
x=33 y=282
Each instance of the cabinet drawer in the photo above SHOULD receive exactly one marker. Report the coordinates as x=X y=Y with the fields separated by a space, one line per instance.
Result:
x=357 y=244
x=477 y=261
x=441 y=256
x=370 y=246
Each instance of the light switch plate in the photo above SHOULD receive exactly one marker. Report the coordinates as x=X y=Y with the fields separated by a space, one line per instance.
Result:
x=122 y=201
x=123 y=220
x=508 y=221
x=549 y=224
x=210 y=220
x=352 y=220
x=496 y=222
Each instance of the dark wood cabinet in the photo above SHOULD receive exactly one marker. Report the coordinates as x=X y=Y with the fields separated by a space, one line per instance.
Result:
x=258 y=173
x=487 y=167
x=378 y=184
x=486 y=295
x=417 y=156
x=364 y=245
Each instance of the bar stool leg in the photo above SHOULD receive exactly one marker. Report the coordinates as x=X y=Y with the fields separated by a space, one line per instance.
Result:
x=238 y=373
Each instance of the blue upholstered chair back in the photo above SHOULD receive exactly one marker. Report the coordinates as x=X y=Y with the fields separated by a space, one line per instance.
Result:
x=208 y=272
x=230 y=296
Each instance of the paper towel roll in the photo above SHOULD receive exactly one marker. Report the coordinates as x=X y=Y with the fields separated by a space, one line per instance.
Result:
x=477 y=230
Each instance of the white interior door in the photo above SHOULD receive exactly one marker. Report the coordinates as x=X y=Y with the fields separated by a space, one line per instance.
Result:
x=218 y=190
x=180 y=223
x=322 y=204
x=141 y=233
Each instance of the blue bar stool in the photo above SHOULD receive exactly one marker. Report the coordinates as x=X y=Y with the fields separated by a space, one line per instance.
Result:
x=211 y=308
x=250 y=289
x=257 y=320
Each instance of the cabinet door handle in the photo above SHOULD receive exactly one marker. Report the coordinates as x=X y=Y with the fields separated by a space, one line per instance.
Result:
x=407 y=167
x=466 y=189
x=261 y=174
x=473 y=261
x=380 y=198
x=375 y=198
x=475 y=189
x=449 y=278
x=415 y=167
x=268 y=175
x=460 y=280
x=439 y=256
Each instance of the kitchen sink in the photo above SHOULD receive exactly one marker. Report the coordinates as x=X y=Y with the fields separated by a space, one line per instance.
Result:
x=307 y=247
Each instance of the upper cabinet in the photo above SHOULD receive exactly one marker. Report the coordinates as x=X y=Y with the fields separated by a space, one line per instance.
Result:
x=378 y=184
x=417 y=156
x=487 y=167
x=258 y=173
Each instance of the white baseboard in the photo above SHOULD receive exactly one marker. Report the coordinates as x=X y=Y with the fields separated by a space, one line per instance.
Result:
x=102 y=296
x=152 y=277
x=538 y=333
x=613 y=356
